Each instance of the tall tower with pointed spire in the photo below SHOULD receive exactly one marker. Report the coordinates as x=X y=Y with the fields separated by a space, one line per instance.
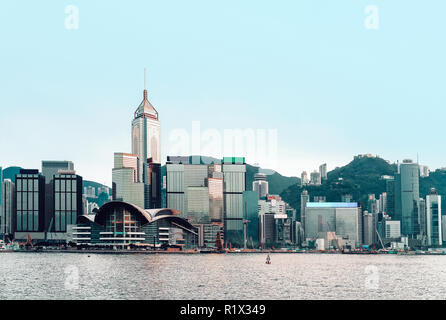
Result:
x=146 y=132
x=146 y=142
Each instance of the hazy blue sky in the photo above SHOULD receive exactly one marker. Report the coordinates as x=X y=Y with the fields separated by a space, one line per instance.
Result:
x=310 y=69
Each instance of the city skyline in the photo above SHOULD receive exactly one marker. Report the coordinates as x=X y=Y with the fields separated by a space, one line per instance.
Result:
x=320 y=75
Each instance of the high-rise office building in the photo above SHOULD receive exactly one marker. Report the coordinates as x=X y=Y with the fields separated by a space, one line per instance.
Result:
x=50 y=168
x=274 y=224
x=234 y=177
x=424 y=171
x=67 y=200
x=30 y=191
x=382 y=203
x=323 y=171
x=433 y=219
x=146 y=144
x=323 y=219
x=370 y=221
x=260 y=184
x=196 y=190
x=422 y=220
x=372 y=204
x=392 y=229
x=390 y=199
x=125 y=185
x=407 y=196
x=315 y=178
x=304 y=199
x=304 y=178
x=251 y=216
x=7 y=210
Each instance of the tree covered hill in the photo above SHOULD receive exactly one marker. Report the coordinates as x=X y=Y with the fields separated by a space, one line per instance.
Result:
x=360 y=177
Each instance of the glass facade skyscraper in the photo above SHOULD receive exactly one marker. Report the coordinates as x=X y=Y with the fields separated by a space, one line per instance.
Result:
x=67 y=200
x=196 y=190
x=30 y=186
x=407 y=196
x=260 y=184
x=7 y=210
x=50 y=168
x=144 y=169
x=125 y=180
x=234 y=183
x=146 y=145
x=433 y=219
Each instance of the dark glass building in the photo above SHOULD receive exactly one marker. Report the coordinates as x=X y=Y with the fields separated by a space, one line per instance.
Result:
x=67 y=197
x=30 y=186
x=407 y=196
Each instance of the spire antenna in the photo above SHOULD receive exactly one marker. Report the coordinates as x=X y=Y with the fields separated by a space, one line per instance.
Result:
x=145 y=88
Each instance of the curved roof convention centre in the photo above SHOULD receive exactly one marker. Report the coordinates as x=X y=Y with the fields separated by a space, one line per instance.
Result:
x=143 y=215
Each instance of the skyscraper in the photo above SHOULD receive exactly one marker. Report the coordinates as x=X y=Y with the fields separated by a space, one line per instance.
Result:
x=7 y=218
x=234 y=177
x=342 y=218
x=407 y=196
x=390 y=199
x=50 y=168
x=433 y=218
x=304 y=199
x=196 y=190
x=141 y=168
x=30 y=187
x=67 y=200
x=323 y=171
x=260 y=184
x=315 y=178
x=304 y=178
x=146 y=144
x=422 y=220
x=125 y=180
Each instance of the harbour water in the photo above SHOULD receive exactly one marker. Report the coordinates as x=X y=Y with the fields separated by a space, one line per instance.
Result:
x=220 y=276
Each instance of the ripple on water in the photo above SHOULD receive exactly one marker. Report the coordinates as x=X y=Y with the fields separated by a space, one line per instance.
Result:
x=291 y=276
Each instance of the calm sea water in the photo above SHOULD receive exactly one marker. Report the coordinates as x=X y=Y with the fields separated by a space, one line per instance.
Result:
x=213 y=276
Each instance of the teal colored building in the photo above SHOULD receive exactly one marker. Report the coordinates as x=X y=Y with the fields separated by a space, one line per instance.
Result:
x=251 y=214
x=407 y=197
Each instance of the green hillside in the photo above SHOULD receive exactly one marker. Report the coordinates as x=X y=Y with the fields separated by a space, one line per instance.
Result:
x=359 y=178
x=276 y=182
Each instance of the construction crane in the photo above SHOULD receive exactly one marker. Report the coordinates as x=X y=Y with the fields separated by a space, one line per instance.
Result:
x=379 y=237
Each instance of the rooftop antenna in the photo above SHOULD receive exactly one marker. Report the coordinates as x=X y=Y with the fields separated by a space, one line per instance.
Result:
x=145 y=89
